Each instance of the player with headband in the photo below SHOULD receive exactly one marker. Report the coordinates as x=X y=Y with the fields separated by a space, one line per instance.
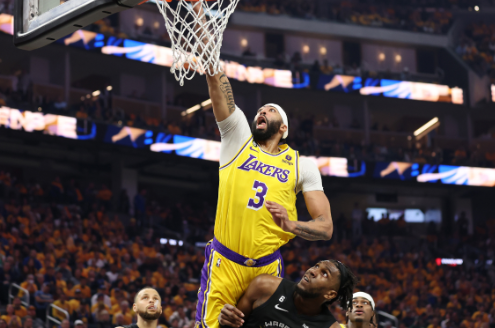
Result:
x=362 y=313
x=260 y=176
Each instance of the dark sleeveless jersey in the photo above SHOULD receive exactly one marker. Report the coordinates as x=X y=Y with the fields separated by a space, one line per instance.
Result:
x=131 y=326
x=279 y=311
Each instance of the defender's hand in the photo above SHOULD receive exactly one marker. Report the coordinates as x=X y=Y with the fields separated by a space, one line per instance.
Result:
x=230 y=316
x=280 y=216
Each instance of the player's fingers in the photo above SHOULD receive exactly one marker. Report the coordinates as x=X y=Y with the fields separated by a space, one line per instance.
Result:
x=224 y=322
x=233 y=318
x=231 y=315
x=238 y=312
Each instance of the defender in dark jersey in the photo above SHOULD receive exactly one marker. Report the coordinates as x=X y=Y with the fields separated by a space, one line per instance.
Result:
x=148 y=306
x=273 y=302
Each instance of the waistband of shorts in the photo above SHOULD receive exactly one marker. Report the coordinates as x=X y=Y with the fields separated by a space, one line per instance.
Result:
x=242 y=260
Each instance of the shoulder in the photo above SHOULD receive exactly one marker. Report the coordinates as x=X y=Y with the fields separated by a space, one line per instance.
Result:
x=308 y=164
x=265 y=284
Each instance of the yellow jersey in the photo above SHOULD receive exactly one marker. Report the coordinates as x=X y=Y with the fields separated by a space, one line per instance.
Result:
x=243 y=224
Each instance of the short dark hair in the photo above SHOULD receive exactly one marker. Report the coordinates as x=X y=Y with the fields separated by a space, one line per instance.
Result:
x=346 y=287
x=139 y=291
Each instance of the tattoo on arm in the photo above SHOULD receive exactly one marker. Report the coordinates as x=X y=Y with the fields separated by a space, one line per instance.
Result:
x=310 y=233
x=227 y=92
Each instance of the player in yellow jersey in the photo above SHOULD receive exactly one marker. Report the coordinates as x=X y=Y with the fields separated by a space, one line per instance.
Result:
x=260 y=176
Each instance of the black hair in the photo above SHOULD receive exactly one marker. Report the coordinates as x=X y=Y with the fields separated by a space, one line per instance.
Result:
x=148 y=287
x=346 y=287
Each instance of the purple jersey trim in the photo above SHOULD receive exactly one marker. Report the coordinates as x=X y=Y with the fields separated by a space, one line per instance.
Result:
x=238 y=153
x=242 y=260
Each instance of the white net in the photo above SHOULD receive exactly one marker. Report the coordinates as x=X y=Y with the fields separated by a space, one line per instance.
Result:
x=196 y=32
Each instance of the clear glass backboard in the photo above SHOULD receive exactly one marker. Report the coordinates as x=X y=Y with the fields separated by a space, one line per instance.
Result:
x=38 y=23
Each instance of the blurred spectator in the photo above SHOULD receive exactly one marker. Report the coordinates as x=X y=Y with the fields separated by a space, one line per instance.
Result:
x=35 y=321
x=62 y=303
x=140 y=203
x=248 y=52
x=43 y=298
x=125 y=313
x=19 y=309
x=101 y=293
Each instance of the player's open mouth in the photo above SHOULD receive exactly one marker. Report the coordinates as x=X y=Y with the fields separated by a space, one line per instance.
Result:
x=151 y=307
x=359 y=312
x=306 y=278
x=261 y=122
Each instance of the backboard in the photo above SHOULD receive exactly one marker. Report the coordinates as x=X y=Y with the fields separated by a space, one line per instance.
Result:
x=38 y=23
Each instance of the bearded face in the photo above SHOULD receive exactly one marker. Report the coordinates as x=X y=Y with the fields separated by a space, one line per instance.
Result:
x=149 y=316
x=263 y=128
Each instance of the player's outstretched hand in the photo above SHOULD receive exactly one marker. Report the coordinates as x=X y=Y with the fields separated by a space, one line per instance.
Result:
x=279 y=215
x=231 y=316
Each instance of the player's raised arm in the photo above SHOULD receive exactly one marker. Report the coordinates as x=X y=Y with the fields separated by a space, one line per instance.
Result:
x=222 y=97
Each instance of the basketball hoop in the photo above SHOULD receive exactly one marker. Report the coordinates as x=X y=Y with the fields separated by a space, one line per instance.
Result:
x=196 y=38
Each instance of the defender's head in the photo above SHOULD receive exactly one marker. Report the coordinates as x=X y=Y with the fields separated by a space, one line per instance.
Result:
x=148 y=304
x=271 y=120
x=328 y=281
x=363 y=308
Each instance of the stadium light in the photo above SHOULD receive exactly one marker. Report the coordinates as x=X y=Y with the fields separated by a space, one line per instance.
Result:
x=109 y=88
x=427 y=128
x=96 y=93
x=205 y=105
x=476 y=8
x=451 y=262
x=323 y=51
x=305 y=49
x=244 y=42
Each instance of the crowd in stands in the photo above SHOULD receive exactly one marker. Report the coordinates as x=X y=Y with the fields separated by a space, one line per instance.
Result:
x=390 y=14
x=477 y=47
x=59 y=242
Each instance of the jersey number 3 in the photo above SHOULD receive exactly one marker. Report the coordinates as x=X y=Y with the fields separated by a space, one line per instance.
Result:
x=259 y=199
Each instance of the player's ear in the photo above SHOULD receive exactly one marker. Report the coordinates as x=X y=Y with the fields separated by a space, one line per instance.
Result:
x=330 y=295
x=283 y=128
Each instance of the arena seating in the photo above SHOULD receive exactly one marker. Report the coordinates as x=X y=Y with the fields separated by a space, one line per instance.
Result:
x=59 y=241
x=405 y=16
x=477 y=47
